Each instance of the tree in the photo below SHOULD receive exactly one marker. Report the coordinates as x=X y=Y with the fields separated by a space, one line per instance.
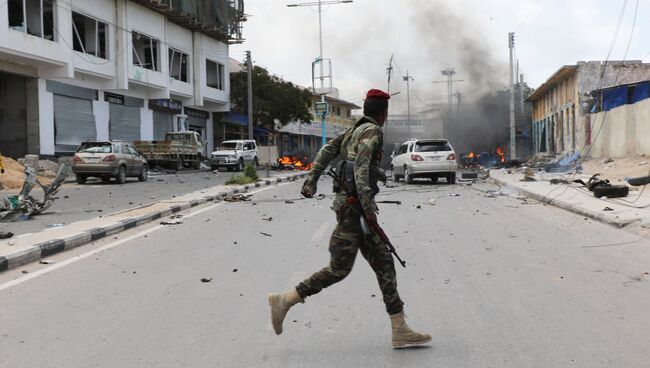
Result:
x=273 y=98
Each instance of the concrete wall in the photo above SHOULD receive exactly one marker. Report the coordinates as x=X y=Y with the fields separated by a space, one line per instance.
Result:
x=622 y=131
x=13 y=115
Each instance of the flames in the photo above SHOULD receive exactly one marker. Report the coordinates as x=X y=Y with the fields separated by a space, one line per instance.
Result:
x=473 y=155
x=502 y=156
x=295 y=162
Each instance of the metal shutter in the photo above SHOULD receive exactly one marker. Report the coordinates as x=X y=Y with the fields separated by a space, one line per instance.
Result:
x=74 y=122
x=196 y=122
x=163 y=122
x=124 y=123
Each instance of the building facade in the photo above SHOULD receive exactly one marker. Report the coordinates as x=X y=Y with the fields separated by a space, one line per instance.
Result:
x=561 y=121
x=78 y=70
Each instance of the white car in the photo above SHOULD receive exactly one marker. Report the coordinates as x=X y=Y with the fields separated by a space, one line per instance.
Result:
x=234 y=154
x=424 y=158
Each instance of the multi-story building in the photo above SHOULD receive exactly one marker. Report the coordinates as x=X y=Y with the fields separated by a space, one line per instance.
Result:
x=561 y=120
x=79 y=70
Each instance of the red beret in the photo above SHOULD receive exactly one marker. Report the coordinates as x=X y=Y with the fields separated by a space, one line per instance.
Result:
x=377 y=94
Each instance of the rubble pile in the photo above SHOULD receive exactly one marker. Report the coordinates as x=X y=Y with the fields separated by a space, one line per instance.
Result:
x=14 y=174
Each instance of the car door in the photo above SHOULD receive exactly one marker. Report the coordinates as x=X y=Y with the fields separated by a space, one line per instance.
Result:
x=398 y=160
x=138 y=161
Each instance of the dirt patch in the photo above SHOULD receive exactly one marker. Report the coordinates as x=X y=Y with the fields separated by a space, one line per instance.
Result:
x=619 y=168
x=14 y=174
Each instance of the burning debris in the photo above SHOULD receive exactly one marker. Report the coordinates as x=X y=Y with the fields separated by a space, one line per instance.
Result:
x=294 y=162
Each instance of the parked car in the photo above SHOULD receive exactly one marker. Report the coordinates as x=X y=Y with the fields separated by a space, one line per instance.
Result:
x=108 y=160
x=424 y=158
x=234 y=154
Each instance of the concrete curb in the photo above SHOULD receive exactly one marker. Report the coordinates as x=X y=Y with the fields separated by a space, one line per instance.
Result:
x=54 y=246
x=568 y=206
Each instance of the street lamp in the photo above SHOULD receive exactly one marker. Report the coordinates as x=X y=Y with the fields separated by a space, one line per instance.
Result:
x=320 y=4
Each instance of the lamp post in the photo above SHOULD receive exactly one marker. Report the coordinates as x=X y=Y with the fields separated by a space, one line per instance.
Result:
x=320 y=60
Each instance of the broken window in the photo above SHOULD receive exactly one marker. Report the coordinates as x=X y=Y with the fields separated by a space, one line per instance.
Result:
x=215 y=75
x=146 y=51
x=432 y=146
x=34 y=17
x=89 y=35
x=178 y=65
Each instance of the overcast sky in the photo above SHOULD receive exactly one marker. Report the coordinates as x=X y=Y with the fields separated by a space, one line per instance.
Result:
x=426 y=36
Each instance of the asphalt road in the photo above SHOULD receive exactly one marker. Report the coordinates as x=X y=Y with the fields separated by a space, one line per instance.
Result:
x=498 y=282
x=94 y=199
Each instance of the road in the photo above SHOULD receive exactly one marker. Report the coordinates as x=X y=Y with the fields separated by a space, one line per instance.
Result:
x=94 y=199
x=498 y=282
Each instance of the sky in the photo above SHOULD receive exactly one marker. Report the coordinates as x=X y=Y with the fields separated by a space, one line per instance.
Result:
x=426 y=36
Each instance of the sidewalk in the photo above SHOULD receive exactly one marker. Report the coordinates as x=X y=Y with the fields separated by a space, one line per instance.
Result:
x=20 y=250
x=633 y=209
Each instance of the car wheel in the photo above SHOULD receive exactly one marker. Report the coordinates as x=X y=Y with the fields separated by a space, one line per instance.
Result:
x=197 y=164
x=121 y=175
x=144 y=174
x=451 y=178
x=257 y=162
x=81 y=179
x=408 y=177
x=394 y=174
x=240 y=165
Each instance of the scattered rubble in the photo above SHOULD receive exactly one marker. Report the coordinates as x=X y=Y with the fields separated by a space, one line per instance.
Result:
x=238 y=198
x=265 y=234
x=205 y=279
x=6 y=235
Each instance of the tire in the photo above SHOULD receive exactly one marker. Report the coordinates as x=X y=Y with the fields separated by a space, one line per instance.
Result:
x=214 y=167
x=121 y=175
x=451 y=178
x=434 y=179
x=408 y=178
x=240 y=165
x=612 y=191
x=394 y=174
x=144 y=175
x=196 y=165
x=81 y=179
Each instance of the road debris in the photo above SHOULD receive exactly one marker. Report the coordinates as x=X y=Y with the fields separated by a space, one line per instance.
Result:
x=205 y=279
x=42 y=261
x=55 y=225
x=556 y=181
x=172 y=222
x=6 y=235
x=432 y=201
x=321 y=197
x=608 y=209
x=268 y=218
x=288 y=201
x=390 y=202
x=238 y=198
x=454 y=195
x=235 y=270
x=265 y=234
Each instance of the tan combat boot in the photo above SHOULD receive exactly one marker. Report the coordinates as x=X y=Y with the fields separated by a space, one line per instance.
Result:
x=280 y=305
x=403 y=336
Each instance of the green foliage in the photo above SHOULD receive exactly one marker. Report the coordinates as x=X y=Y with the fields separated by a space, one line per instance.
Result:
x=251 y=172
x=249 y=176
x=273 y=98
x=239 y=179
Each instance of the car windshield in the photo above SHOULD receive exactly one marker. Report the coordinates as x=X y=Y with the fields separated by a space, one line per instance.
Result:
x=98 y=147
x=432 y=146
x=229 y=146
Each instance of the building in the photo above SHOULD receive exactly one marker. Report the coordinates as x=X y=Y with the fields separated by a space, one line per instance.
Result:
x=79 y=70
x=561 y=121
x=620 y=118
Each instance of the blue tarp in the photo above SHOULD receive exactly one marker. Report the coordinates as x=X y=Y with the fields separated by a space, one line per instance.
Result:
x=614 y=97
x=236 y=118
x=641 y=92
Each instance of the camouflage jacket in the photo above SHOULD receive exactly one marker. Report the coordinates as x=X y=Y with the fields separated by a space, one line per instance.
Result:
x=362 y=144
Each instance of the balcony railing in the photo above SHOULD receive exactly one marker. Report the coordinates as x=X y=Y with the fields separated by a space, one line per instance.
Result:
x=219 y=19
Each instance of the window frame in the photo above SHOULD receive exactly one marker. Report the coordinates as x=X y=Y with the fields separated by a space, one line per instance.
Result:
x=77 y=36
x=155 y=57
x=183 y=55
x=24 y=28
x=219 y=73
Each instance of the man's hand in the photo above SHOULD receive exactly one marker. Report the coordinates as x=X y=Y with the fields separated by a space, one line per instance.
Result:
x=309 y=187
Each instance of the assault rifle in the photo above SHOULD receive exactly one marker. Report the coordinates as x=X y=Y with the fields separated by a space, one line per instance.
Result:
x=368 y=229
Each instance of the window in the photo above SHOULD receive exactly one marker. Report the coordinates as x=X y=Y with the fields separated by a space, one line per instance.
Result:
x=178 y=65
x=432 y=146
x=402 y=149
x=89 y=35
x=146 y=51
x=34 y=17
x=215 y=75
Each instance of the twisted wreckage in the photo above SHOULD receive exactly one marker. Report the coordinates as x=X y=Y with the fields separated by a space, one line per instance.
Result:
x=15 y=206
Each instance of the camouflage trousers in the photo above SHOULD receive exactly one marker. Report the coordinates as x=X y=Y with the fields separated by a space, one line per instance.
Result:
x=346 y=239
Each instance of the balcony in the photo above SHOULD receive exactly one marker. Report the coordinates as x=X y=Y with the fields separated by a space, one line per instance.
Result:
x=218 y=19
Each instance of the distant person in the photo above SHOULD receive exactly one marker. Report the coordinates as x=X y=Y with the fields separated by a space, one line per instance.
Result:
x=360 y=150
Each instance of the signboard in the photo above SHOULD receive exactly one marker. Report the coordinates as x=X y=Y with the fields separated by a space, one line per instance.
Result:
x=321 y=108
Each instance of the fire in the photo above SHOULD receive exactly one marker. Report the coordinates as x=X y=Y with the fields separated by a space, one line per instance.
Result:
x=295 y=162
x=502 y=155
x=473 y=155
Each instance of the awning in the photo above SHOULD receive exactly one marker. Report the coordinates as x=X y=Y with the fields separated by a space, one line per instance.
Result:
x=236 y=119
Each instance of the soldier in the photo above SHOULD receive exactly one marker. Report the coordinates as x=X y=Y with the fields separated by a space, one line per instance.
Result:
x=361 y=147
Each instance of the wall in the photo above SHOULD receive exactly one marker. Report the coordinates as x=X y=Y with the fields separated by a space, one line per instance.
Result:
x=622 y=131
x=13 y=116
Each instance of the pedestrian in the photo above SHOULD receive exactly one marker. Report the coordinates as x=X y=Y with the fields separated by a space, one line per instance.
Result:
x=360 y=150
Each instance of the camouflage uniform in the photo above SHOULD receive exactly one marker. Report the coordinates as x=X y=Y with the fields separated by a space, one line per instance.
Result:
x=362 y=144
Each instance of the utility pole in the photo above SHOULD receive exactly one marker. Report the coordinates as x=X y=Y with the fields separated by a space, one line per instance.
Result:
x=408 y=80
x=320 y=4
x=249 y=63
x=389 y=70
x=513 y=127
